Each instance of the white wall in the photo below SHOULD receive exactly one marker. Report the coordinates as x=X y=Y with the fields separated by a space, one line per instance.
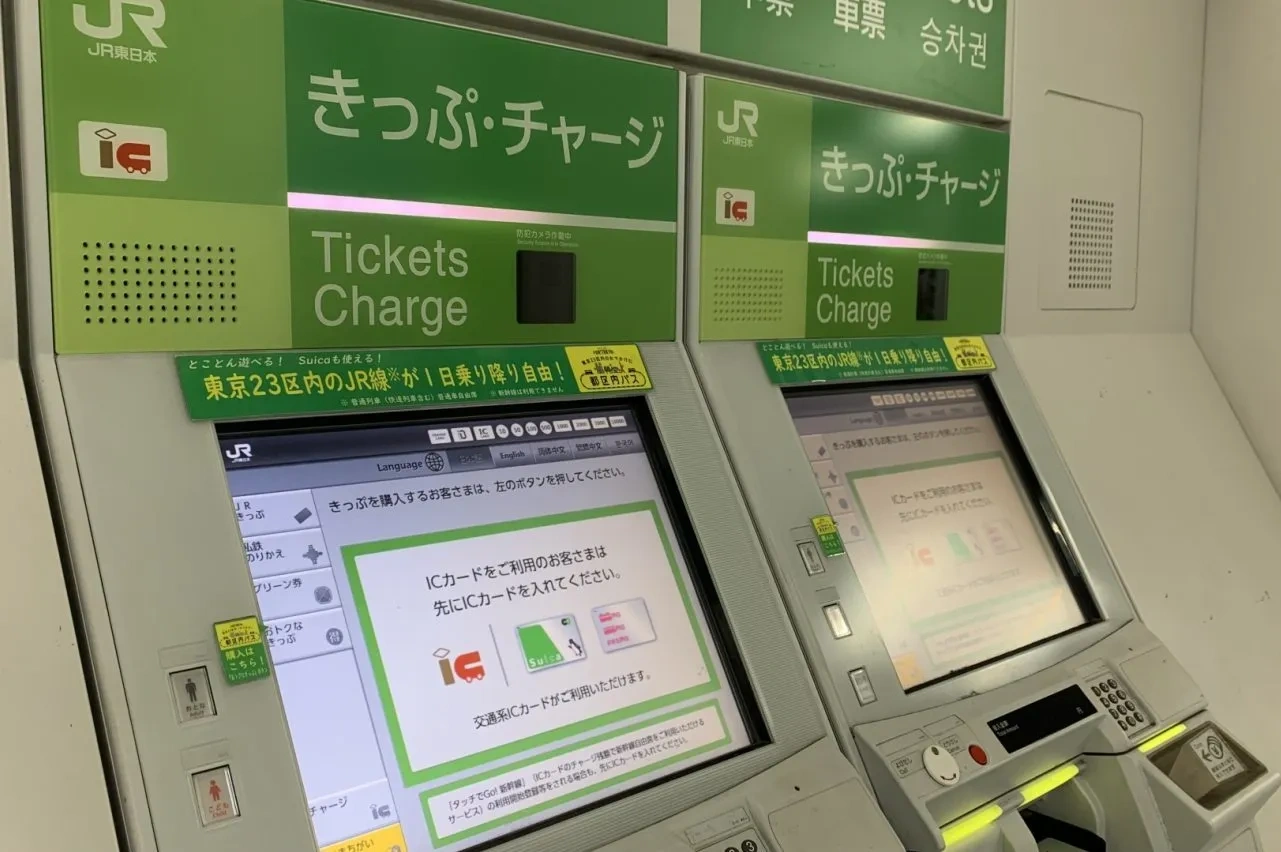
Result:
x=1184 y=507
x=1174 y=484
x=1139 y=55
x=1237 y=305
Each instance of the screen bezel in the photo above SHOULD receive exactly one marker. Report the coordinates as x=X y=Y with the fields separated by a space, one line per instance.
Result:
x=685 y=538
x=1043 y=514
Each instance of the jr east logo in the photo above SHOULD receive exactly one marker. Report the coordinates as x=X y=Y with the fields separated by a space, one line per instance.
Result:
x=123 y=151
x=239 y=454
x=739 y=126
x=736 y=207
x=107 y=21
x=148 y=16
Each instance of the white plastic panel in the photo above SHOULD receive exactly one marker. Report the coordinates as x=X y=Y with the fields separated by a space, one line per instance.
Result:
x=1143 y=56
x=1090 y=211
x=53 y=792
x=1184 y=507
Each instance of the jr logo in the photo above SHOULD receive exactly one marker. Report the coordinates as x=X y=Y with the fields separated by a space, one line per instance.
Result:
x=147 y=15
x=736 y=207
x=239 y=453
x=745 y=115
x=466 y=667
x=124 y=151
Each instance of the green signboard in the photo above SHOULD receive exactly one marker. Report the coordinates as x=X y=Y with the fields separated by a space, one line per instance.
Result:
x=645 y=20
x=239 y=385
x=344 y=177
x=824 y=219
x=948 y=51
x=791 y=362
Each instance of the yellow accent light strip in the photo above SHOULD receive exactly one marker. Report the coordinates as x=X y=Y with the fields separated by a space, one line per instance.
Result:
x=1048 y=782
x=977 y=820
x=1155 y=742
x=972 y=823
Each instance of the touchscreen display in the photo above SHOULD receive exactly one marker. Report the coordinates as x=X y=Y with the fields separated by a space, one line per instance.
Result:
x=951 y=554
x=478 y=625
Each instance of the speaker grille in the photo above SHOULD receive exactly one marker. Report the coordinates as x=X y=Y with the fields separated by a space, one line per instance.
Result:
x=1091 y=237
x=747 y=294
x=135 y=283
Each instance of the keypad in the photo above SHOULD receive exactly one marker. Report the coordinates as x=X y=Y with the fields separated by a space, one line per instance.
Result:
x=1112 y=693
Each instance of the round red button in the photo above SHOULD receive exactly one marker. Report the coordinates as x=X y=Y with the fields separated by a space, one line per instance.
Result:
x=979 y=755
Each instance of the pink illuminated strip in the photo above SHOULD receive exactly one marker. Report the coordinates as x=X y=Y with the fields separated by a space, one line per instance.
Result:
x=432 y=210
x=832 y=238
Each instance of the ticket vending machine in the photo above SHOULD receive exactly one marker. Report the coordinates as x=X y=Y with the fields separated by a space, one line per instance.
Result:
x=47 y=730
x=972 y=638
x=347 y=590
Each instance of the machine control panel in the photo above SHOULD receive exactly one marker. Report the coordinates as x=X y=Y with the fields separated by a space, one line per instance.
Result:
x=215 y=795
x=1120 y=702
x=192 y=694
x=946 y=751
x=745 y=841
x=941 y=766
x=705 y=834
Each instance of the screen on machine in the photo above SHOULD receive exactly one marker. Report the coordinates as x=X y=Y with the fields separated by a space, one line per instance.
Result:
x=480 y=624
x=950 y=552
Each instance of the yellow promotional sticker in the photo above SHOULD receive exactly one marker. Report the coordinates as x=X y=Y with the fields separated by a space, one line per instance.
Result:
x=238 y=633
x=823 y=524
x=969 y=353
x=829 y=537
x=908 y=669
x=608 y=368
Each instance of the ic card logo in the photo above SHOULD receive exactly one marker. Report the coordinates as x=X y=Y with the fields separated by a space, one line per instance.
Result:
x=467 y=667
x=735 y=207
x=147 y=15
x=123 y=151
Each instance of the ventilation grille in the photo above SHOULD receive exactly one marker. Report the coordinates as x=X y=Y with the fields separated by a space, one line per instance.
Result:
x=747 y=294
x=1091 y=232
x=133 y=283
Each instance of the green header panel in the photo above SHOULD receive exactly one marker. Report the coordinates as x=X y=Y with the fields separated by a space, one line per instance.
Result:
x=791 y=362
x=270 y=174
x=645 y=20
x=824 y=219
x=948 y=51
x=239 y=385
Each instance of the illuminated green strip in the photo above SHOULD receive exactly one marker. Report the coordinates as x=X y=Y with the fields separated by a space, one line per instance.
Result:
x=1155 y=742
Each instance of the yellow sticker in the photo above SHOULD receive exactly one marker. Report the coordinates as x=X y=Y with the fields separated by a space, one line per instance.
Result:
x=608 y=368
x=969 y=353
x=908 y=669
x=823 y=524
x=829 y=538
x=238 y=633
x=388 y=839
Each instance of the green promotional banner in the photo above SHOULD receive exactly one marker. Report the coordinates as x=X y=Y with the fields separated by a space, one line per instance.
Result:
x=645 y=20
x=824 y=219
x=791 y=362
x=948 y=51
x=345 y=177
x=239 y=385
